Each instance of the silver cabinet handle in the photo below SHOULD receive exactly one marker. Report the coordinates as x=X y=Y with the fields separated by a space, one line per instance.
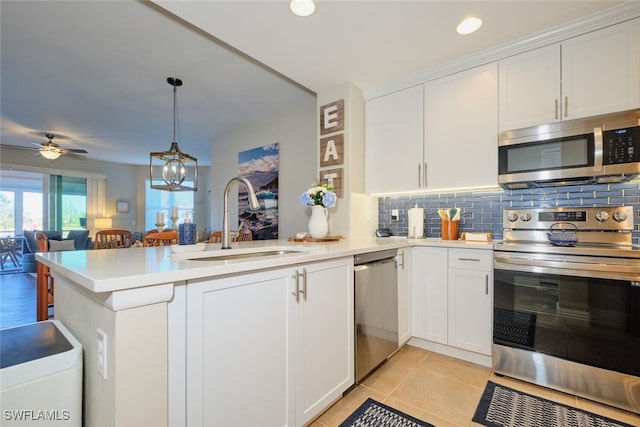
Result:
x=401 y=255
x=419 y=175
x=469 y=259
x=566 y=106
x=556 y=102
x=297 y=292
x=425 y=174
x=486 y=284
x=304 y=283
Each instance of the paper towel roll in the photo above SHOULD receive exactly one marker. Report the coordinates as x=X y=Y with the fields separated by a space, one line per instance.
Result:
x=416 y=222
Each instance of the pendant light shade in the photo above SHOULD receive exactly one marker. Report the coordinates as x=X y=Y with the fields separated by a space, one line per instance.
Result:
x=173 y=170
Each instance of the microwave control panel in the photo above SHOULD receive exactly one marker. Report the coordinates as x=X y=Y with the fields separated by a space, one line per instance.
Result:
x=621 y=146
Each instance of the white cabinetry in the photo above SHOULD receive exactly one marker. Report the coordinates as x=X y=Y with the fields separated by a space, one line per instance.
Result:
x=453 y=297
x=461 y=128
x=272 y=348
x=470 y=300
x=404 y=295
x=429 y=293
x=592 y=74
x=394 y=141
x=414 y=141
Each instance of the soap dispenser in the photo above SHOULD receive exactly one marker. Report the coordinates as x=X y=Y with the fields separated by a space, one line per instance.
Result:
x=187 y=232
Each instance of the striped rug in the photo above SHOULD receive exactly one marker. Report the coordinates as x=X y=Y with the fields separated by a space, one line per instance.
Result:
x=502 y=406
x=375 y=414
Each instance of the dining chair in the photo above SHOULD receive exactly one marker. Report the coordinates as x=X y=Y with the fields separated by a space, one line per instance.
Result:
x=112 y=239
x=216 y=237
x=161 y=238
x=44 y=281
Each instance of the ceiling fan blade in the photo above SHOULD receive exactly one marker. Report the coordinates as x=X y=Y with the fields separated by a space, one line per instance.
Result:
x=75 y=150
x=39 y=144
x=74 y=155
x=20 y=147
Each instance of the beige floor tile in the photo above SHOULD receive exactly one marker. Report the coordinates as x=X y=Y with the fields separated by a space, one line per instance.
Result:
x=459 y=370
x=440 y=395
x=443 y=391
x=345 y=406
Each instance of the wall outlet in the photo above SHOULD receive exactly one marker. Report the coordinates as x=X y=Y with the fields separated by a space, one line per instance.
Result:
x=101 y=352
x=394 y=214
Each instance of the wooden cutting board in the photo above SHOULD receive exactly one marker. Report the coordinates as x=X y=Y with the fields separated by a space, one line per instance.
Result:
x=311 y=239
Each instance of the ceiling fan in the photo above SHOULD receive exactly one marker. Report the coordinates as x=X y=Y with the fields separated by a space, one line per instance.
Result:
x=51 y=151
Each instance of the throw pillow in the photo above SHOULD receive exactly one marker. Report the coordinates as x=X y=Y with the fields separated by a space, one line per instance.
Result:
x=61 y=245
x=80 y=238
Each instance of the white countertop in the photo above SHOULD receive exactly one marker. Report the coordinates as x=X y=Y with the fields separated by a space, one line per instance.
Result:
x=110 y=270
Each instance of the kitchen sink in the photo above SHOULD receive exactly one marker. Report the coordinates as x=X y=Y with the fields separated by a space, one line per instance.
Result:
x=258 y=254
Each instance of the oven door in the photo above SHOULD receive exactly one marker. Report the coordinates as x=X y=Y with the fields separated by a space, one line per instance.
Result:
x=577 y=308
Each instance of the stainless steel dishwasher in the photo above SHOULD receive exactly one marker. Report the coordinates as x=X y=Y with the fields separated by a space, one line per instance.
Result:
x=376 y=309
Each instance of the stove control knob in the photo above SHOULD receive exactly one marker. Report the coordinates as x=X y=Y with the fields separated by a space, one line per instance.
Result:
x=620 y=216
x=525 y=217
x=602 y=216
x=512 y=216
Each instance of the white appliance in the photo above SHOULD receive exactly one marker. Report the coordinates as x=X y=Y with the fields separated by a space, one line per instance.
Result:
x=40 y=376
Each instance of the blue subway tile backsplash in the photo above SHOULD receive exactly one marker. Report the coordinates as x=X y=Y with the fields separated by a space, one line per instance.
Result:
x=482 y=211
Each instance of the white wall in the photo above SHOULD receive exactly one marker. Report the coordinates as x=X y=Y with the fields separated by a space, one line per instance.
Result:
x=295 y=131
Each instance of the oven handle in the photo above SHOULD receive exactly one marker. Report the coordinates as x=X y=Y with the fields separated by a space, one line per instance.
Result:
x=586 y=269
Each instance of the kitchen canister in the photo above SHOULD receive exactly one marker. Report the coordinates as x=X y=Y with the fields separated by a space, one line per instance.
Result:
x=187 y=232
x=416 y=222
x=449 y=229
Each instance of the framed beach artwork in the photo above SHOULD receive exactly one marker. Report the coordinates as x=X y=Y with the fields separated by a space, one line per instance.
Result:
x=260 y=166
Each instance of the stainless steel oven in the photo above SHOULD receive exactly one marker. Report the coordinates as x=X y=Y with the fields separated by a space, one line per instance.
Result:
x=568 y=317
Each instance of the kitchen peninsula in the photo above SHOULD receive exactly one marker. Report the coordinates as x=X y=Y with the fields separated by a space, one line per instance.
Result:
x=160 y=312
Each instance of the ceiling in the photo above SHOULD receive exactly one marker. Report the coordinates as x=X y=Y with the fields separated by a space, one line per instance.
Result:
x=94 y=72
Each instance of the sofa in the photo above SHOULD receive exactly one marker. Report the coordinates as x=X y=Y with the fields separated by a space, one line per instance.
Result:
x=80 y=239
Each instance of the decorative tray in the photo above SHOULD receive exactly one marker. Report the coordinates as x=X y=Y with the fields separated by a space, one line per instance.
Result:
x=311 y=239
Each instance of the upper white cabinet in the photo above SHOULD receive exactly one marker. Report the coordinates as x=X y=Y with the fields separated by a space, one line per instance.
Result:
x=592 y=74
x=461 y=127
x=394 y=141
x=414 y=141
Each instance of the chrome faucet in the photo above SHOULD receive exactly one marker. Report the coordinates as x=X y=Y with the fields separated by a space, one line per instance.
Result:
x=253 y=204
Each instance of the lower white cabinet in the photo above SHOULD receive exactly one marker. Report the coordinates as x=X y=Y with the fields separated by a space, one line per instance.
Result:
x=273 y=348
x=404 y=295
x=470 y=300
x=452 y=292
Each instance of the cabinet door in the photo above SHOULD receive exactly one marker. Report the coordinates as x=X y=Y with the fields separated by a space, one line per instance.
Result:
x=240 y=360
x=600 y=71
x=461 y=144
x=324 y=338
x=429 y=292
x=470 y=300
x=394 y=140
x=404 y=295
x=529 y=88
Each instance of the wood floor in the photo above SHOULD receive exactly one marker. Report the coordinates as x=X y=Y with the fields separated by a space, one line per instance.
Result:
x=17 y=299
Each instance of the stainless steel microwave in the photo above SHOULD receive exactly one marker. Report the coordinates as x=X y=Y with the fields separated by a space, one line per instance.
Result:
x=599 y=149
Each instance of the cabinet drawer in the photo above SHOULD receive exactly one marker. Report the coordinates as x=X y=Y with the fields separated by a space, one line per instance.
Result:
x=472 y=259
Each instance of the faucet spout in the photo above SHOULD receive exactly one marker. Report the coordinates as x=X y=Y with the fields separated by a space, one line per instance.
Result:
x=253 y=204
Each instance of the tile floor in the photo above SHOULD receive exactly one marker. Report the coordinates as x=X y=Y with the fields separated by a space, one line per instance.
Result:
x=442 y=390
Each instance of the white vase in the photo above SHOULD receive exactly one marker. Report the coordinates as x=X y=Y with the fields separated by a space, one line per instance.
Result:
x=318 y=226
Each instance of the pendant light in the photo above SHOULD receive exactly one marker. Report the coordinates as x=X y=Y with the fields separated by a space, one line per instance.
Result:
x=169 y=170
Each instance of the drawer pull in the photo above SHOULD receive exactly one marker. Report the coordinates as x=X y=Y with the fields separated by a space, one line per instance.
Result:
x=469 y=259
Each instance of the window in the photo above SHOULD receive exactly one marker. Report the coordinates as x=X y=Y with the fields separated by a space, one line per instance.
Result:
x=68 y=202
x=162 y=201
x=21 y=202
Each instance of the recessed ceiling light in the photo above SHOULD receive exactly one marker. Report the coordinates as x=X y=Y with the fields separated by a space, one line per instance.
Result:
x=469 y=25
x=302 y=7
